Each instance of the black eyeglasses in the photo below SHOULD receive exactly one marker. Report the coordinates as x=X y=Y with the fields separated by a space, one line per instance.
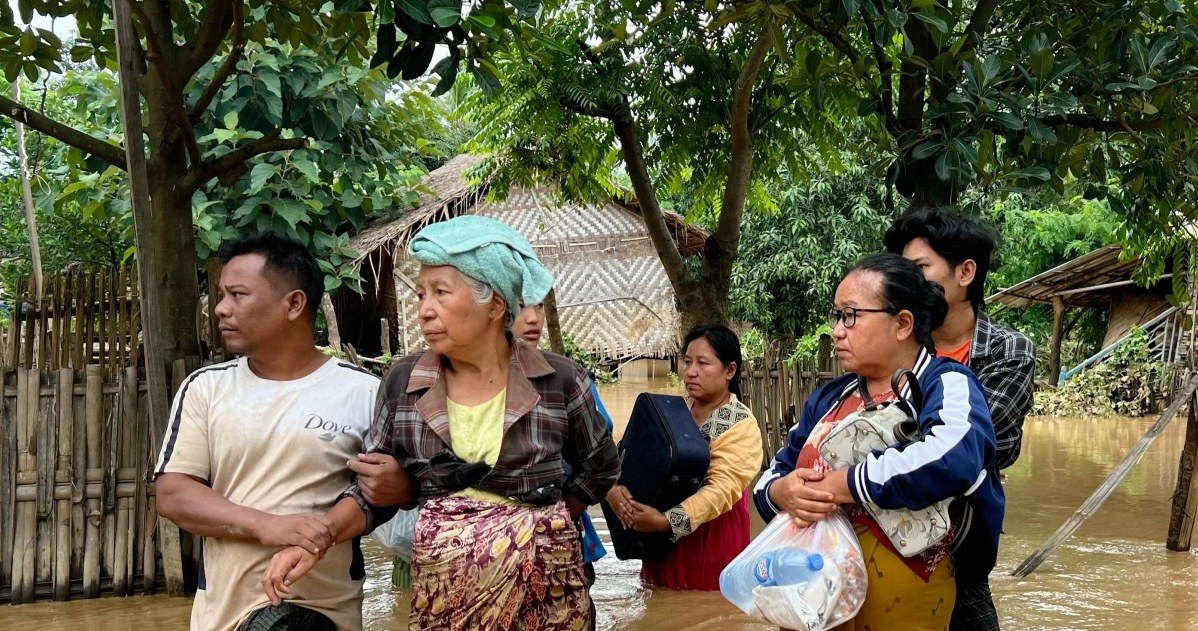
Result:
x=848 y=315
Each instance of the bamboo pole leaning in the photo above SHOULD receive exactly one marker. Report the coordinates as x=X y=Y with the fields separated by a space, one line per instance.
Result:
x=1104 y=490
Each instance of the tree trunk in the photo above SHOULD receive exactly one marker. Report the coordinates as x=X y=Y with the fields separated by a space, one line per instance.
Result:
x=167 y=233
x=35 y=248
x=553 y=324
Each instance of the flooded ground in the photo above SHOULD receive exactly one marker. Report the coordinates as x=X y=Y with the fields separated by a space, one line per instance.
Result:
x=1113 y=574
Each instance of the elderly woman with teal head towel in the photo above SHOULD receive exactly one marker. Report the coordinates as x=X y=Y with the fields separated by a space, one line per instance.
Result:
x=502 y=439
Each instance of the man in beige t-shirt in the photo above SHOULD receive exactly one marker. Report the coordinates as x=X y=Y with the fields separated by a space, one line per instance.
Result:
x=254 y=457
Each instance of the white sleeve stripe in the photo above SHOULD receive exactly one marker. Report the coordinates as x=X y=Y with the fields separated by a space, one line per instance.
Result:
x=954 y=413
x=862 y=487
x=977 y=483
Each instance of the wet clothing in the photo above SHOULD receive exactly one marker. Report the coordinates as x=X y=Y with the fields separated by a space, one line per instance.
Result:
x=279 y=447
x=711 y=526
x=922 y=564
x=1005 y=364
x=550 y=424
x=897 y=600
x=697 y=559
x=956 y=458
x=974 y=610
x=481 y=565
x=504 y=555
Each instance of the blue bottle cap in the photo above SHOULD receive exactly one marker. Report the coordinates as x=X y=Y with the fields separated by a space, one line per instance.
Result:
x=815 y=561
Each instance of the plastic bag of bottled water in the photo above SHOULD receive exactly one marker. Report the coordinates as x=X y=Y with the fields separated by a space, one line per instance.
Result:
x=808 y=578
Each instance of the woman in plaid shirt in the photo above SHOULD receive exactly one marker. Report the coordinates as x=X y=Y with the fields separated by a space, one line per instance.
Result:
x=502 y=439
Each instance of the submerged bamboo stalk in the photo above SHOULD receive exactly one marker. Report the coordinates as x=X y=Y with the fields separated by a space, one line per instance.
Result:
x=62 y=512
x=1104 y=490
x=8 y=482
x=94 y=407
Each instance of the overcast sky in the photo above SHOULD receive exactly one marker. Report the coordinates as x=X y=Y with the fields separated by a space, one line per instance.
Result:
x=61 y=26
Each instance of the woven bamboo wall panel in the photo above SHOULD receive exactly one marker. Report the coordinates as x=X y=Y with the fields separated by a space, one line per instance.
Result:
x=537 y=216
x=613 y=295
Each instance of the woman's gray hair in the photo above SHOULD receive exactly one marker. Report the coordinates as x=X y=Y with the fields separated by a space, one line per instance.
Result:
x=483 y=293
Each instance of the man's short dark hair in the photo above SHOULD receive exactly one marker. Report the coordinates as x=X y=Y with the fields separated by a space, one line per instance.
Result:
x=289 y=263
x=952 y=236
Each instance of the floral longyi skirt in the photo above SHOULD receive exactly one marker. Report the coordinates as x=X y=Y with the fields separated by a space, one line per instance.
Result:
x=480 y=565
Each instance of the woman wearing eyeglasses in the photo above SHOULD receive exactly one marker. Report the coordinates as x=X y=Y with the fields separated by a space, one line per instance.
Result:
x=882 y=321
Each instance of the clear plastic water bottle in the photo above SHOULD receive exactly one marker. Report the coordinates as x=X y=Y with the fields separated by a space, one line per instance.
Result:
x=786 y=566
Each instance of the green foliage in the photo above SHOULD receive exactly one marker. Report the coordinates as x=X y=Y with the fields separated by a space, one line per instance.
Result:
x=958 y=97
x=808 y=346
x=791 y=259
x=364 y=159
x=752 y=344
x=1041 y=231
x=69 y=233
x=1124 y=385
x=588 y=361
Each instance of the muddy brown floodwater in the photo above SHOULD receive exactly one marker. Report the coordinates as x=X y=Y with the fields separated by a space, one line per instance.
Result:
x=1113 y=574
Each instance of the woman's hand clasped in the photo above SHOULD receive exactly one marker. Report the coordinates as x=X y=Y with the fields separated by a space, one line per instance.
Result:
x=636 y=516
x=804 y=502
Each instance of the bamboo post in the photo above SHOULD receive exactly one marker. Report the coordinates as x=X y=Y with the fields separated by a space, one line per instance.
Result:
x=169 y=538
x=24 y=552
x=130 y=458
x=78 y=467
x=1092 y=503
x=91 y=315
x=95 y=424
x=553 y=325
x=14 y=330
x=8 y=485
x=45 y=431
x=1054 y=359
x=330 y=320
x=384 y=336
x=118 y=446
x=28 y=349
x=43 y=337
x=1185 y=495
x=62 y=513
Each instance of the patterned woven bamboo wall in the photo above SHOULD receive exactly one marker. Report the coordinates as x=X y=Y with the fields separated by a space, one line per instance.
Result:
x=613 y=295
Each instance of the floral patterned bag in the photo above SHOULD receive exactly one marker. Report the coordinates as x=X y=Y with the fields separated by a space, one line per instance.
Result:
x=875 y=429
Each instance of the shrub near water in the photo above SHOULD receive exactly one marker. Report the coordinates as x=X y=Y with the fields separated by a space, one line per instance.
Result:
x=1125 y=384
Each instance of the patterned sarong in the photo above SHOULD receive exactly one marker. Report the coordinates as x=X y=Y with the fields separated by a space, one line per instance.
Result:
x=479 y=565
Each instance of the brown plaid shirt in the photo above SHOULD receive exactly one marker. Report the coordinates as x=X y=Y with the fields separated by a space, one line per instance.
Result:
x=553 y=438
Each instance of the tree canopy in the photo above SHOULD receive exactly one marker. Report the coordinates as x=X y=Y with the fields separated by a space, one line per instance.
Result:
x=961 y=103
x=225 y=86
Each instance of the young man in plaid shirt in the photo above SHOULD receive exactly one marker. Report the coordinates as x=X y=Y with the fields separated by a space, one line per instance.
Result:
x=955 y=251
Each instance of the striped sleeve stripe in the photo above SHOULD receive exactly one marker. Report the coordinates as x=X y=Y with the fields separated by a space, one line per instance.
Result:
x=168 y=449
x=955 y=417
x=358 y=369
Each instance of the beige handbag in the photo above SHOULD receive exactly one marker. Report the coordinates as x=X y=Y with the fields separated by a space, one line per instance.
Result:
x=875 y=429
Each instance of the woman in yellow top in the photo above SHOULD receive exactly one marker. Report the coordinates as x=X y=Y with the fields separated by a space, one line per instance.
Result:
x=710 y=527
x=502 y=439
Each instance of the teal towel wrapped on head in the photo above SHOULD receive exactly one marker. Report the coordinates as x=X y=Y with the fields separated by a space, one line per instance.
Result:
x=486 y=250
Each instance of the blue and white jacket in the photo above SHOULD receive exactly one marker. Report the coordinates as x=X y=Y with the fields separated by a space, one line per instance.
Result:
x=956 y=458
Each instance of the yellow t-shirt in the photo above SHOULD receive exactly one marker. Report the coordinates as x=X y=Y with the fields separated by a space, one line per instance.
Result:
x=477 y=435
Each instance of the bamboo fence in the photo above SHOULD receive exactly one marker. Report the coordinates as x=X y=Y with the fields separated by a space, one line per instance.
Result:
x=77 y=514
x=84 y=318
x=776 y=390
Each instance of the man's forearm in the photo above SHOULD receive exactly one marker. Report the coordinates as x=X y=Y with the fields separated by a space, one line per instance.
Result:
x=198 y=509
x=349 y=520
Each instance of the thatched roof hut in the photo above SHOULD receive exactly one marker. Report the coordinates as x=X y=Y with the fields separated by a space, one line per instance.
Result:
x=613 y=296
x=1102 y=279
